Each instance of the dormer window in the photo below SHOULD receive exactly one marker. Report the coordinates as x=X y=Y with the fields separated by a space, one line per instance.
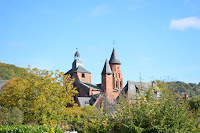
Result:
x=87 y=102
x=83 y=75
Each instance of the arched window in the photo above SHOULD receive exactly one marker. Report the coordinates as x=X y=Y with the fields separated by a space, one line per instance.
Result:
x=119 y=75
x=121 y=85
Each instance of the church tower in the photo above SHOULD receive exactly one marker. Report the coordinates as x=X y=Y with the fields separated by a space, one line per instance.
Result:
x=77 y=62
x=116 y=69
x=77 y=71
x=107 y=81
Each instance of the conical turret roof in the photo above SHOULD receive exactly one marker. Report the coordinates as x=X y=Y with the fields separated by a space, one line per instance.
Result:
x=106 y=68
x=77 y=54
x=114 y=59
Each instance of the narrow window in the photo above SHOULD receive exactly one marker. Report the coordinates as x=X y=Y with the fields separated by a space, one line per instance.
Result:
x=83 y=75
x=121 y=84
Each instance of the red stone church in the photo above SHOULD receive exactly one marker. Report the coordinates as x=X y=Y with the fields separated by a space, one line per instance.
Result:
x=92 y=94
x=111 y=83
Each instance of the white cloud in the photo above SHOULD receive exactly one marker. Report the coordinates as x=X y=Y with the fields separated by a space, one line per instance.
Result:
x=17 y=44
x=185 y=23
x=100 y=10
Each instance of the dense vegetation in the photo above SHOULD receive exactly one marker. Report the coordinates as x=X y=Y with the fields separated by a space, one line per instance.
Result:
x=30 y=129
x=8 y=71
x=147 y=115
x=191 y=89
x=40 y=100
x=40 y=94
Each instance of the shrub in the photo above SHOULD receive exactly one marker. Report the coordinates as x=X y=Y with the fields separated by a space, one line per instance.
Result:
x=30 y=129
x=194 y=103
x=16 y=116
x=12 y=116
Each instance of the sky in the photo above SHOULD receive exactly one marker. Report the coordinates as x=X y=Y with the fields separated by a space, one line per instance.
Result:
x=154 y=39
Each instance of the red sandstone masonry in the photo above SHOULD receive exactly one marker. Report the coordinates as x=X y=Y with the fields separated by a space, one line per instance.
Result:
x=117 y=76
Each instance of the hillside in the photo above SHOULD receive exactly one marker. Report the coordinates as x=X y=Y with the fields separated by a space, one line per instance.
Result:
x=8 y=71
x=191 y=89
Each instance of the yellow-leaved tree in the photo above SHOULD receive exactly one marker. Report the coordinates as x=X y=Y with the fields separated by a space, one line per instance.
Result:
x=40 y=94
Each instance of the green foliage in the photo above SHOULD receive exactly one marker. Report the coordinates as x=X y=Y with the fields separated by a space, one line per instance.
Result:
x=16 y=116
x=4 y=116
x=8 y=71
x=30 y=129
x=166 y=114
x=12 y=116
x=41 y=95
x=191 y=89
x=194 y=103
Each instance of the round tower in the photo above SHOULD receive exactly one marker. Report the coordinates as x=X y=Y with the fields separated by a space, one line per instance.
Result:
x=107 y=81
x=115 y=65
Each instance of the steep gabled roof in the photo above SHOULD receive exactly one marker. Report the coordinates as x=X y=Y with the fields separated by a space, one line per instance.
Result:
x=89 y=85
x=106 y=68
x=78 y=69
x=114 y=59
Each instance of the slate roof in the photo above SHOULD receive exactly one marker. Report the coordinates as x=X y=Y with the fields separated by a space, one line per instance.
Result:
x=3 y=82
x=132 y=87
x=84 y=101
x=106 y=68
x=89 y=85
x=78 y=69
x=90 y=100
x=114 y=59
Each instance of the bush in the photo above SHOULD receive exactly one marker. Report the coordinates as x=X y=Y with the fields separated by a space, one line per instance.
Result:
x=30 y=129
x=12 y=116
x=4 y=116
x=194 y=103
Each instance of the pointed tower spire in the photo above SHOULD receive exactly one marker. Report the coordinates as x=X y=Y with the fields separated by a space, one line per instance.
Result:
x=77 y=62
x=114 y=59
x=77 y=55
x=106 y=68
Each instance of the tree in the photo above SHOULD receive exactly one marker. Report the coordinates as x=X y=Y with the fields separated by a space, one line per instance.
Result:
x=40 y=94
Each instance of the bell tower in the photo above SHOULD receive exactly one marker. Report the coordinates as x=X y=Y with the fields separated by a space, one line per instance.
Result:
x=116 y=69
x=77 y=71
x=77 y=62
x=107 y=81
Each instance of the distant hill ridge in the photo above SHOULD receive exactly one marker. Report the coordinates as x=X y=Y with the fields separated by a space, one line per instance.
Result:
x=8 y=71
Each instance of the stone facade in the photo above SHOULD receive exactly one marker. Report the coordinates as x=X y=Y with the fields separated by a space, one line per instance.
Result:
x=110 y=87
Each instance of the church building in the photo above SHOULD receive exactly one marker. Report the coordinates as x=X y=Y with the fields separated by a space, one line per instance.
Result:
x=92 y=94
x=111 y=85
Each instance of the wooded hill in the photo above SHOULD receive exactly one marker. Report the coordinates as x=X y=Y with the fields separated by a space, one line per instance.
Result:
x=191 y=89
x=8 y=72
